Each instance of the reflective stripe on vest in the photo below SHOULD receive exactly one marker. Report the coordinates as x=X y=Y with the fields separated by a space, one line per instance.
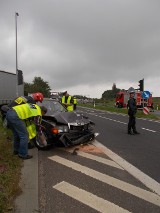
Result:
x=63 y=99
x=20 y=100
x=25 y=111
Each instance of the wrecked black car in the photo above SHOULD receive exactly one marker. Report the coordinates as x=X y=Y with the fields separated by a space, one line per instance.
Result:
x=59 y=126
x=63 y=127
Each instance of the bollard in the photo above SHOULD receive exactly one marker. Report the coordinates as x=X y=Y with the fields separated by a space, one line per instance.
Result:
x=94 y=104
x=157 y=106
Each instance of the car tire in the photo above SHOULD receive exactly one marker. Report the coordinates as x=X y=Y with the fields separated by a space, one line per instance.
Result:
x=39 y=144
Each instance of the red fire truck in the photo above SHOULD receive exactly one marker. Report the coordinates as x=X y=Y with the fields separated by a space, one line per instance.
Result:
x=122 y=100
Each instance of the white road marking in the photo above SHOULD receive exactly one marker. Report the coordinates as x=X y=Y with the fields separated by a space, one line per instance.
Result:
x=134 y=190
x=145 y=179
x=110 y=119
x=114 y=113
x=97 y=158
x=88 y=199
x=148 y=130
x=151 y=120
x=120 y=121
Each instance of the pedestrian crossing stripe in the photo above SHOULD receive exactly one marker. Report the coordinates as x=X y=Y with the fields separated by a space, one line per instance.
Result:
x=88 y=198
x=129 y=188
x=96 y=158
x=142 y=177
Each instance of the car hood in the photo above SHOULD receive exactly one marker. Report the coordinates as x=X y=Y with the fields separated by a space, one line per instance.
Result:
x=68 y=117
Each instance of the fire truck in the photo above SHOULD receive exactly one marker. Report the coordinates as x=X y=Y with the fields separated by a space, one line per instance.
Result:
x=122 y=100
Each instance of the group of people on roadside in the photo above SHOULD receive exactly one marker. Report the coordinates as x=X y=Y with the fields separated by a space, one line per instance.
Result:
x=24 y=118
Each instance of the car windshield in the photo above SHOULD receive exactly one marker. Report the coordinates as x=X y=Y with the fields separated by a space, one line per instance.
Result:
x=52 y=106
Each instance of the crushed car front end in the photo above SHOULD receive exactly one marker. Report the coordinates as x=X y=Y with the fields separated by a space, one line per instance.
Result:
x=68 y=134
x=77 y=134
x=63 y=127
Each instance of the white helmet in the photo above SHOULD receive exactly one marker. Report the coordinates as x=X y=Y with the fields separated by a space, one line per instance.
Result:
x=131 y=90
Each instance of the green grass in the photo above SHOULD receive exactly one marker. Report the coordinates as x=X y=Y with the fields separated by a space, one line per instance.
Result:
x=156 y=101
x=10 y=171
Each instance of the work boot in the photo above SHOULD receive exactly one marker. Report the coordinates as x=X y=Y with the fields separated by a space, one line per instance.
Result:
x=135 y=132
x=26 y=157
x=130 y=133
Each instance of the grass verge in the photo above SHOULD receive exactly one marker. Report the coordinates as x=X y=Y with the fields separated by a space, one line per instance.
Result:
x=10 y=172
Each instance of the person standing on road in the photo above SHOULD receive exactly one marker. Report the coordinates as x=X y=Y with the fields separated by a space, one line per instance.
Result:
x=67 y=101
x=16 y=117
x=132 y=110
x=74 y=103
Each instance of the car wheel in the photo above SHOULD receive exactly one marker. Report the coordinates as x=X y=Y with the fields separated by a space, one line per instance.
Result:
x=38 y=143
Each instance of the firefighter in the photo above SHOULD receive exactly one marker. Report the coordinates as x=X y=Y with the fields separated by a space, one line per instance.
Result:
x=74 y=103
x=32 y=98
x=67 y=101
x=16 y=117
x=132 y=110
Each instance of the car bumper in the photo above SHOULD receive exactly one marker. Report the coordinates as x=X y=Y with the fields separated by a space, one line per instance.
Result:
x=75 y=138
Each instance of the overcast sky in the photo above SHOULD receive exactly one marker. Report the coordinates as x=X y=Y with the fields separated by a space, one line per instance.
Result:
x=83 y=46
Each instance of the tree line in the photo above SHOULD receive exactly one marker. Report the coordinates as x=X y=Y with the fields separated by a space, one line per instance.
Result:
x=39 y=85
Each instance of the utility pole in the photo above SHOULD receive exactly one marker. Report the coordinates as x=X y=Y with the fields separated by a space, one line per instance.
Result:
x=16 y=15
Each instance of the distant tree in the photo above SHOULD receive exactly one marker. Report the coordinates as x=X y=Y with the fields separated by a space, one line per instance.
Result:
x=114 y=87
x=27 y=88
x=110 y=94
x=38 y=85
x=80 y=97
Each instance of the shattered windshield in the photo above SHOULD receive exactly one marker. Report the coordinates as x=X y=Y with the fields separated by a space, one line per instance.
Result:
x=52 y=106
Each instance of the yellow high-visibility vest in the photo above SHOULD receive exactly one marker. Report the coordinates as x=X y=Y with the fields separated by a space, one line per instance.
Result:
x=74 y=100
x=69 y=108
x=31 y=128
x=26 y=111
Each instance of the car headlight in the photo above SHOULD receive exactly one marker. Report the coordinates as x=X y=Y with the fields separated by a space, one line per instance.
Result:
x=60 y=129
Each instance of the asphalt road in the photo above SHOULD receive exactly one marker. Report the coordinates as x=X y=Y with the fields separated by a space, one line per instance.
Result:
x=116 y=173
x=142 y=150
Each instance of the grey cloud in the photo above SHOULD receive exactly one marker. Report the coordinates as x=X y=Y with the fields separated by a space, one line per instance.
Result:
x=82 y=42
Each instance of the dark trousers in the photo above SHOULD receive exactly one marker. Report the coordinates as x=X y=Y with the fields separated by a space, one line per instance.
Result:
x=20 y=133
x=132 y=123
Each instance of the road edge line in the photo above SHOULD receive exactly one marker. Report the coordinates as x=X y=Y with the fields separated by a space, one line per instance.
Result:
x=138 y=174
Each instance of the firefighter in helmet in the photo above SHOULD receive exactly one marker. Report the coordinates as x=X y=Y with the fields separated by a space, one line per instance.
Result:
x=132 y=110
x=32 y=98
x=16 y=117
